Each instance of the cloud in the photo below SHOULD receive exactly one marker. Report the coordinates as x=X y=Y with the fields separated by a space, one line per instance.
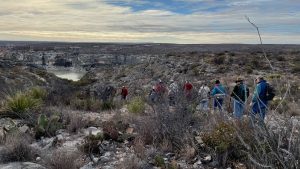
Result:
x=210 y=21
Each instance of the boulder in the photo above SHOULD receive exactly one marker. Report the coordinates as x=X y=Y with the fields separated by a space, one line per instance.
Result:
x=92 y=131
x=24 y=129
x=21 y=165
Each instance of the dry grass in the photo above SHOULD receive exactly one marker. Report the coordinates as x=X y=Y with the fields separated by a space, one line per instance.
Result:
x=75 y=122
x=63 y=159
x=17 y=148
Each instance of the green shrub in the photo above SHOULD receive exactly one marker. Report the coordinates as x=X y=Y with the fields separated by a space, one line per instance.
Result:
x=37 y=93
x=136 y=105
x=221 y=138
x=107 y=105
x=159 y=161
x=21 y=103
x=91 y=143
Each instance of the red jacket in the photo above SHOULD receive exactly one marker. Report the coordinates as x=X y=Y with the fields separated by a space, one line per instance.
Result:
x=188 y=87
x=124 y=91
x=160 y=88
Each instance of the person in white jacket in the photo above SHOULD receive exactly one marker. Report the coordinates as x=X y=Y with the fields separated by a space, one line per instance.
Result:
x=203 y=94
x=173 y=92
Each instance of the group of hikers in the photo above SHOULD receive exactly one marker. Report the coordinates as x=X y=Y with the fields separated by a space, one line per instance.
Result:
x=263 y=93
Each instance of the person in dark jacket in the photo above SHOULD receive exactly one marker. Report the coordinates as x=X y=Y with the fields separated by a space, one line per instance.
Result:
x=259 y=101
x=124 y=93
x=239 y=94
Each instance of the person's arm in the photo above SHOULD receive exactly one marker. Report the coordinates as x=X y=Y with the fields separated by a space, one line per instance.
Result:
x=214 y=91
x=256 y=93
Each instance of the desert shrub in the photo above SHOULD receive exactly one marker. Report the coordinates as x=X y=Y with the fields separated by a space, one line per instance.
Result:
x=63 y=159
x=249 y=69
x=107 y=105
x=37 y=93
x=88 y=104
x=274 y=76
x=280 y=105
x=296 y=67
x=136 y=105
x=75 y=122
x=159 y=161
x=17 y=148
x=280 y=58
x=168 y=129
x=221 y=138
x=20 y=103
x=92 y=144
x=219 y=60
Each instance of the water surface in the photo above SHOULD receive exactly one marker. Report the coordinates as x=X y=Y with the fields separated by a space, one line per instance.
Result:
x=67 y=73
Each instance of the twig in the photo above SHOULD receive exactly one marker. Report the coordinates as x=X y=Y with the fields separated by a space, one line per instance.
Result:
x=260 y=39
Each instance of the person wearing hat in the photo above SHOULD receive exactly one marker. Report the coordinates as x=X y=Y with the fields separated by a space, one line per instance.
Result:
x=239 y=94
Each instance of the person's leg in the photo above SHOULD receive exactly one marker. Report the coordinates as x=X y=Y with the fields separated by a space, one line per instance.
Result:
x=238 y=109
x=220 y=104
x=253 y=113
x=262 y=114
x=205 y=105
x=216 y=104
x=235 y=108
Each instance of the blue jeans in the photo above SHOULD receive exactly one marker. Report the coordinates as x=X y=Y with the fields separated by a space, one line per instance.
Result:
x=260 y=110
x=238 y=109
x=218 y=104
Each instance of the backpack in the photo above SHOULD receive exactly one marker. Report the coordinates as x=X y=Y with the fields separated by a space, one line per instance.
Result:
x=270 y=94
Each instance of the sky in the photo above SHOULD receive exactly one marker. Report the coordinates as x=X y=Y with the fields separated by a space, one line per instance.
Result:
x=157 y=21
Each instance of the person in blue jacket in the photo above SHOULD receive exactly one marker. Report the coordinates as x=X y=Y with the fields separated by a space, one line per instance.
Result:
x=259 y=101
x=218 y=93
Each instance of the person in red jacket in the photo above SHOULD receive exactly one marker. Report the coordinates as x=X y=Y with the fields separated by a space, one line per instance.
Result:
x=188 y=87
x=124 y=93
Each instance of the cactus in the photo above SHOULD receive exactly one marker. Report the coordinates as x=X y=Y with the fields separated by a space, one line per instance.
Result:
x=47 y=126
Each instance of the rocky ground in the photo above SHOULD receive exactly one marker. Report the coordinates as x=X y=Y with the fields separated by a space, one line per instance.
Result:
x=85 y=125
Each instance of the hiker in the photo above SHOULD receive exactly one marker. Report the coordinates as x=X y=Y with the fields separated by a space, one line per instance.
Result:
x=239 y=94
x=124 y=93
x=203 y=95
x=188 y=87
x=153 y=95
x=173 y=92
x=218 y=93
x=262 y=94
x=161 y=90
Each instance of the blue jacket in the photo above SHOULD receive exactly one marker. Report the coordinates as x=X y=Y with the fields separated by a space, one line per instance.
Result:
x=218 y=89
x=259 y=100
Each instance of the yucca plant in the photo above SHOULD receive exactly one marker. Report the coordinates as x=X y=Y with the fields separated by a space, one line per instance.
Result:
x=20 y=103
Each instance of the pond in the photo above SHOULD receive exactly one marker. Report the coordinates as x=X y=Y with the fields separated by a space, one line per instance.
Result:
x=67 y=73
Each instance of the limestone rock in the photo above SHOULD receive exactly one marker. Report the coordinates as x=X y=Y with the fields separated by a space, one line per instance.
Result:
x=21 y=165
